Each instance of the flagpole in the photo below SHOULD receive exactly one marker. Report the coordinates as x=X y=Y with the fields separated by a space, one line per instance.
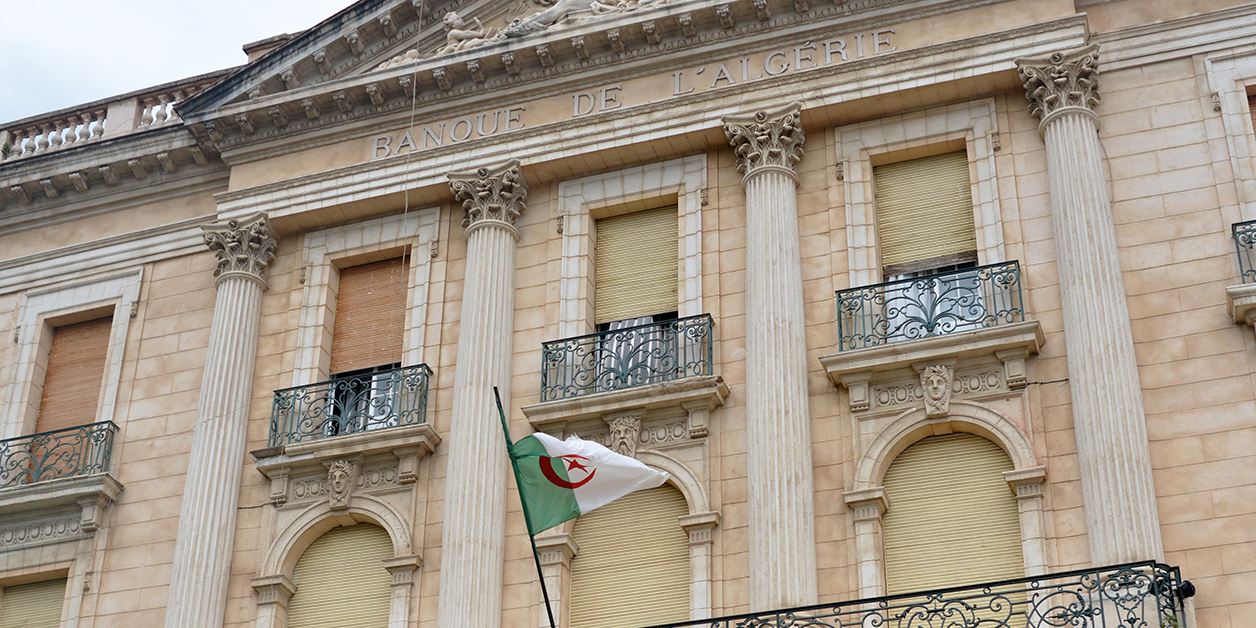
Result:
x=536 y=556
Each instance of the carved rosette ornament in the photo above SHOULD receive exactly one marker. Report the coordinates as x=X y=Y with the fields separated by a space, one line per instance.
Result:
x=625 y=432
x=243 y=247
x=490 y=194
x=767 y=139
x=1061 y=80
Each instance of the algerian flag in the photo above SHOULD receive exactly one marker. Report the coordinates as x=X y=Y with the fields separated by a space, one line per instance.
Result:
x=563 y=479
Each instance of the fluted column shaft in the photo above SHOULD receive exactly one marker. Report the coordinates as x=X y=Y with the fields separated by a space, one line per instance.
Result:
x=778 y=419
x=207 y=518
x=472 y=551
x=1108 y=418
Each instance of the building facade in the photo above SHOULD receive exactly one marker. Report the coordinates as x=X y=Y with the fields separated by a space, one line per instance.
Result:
x=904 y=295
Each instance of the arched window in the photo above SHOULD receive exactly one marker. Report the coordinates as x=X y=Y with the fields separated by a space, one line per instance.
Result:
x=632 y=566
x=341 y=580
x=952 y=519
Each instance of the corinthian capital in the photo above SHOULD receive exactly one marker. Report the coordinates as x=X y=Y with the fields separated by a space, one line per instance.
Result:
x=242 y=246
x=1061 y=79
x=495 y=193
x=766 y=138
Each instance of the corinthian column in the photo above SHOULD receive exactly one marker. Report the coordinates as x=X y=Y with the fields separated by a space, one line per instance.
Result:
x=778 y=428
x=475 y=506
x=1111 y=430
x=202 y=552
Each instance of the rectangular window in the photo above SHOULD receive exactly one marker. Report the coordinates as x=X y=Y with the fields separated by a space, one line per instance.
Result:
x=636 y=261
x=370 y=316
x=925 y=219
x=76 y=369
x=34 y=605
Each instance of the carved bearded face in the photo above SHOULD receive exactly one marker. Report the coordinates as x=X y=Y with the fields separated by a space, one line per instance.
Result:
x=623 y=436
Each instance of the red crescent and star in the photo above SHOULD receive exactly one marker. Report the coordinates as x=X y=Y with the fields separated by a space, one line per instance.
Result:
x=573 y=463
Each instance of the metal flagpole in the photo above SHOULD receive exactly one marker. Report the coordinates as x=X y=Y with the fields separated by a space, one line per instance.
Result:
x=536 y=556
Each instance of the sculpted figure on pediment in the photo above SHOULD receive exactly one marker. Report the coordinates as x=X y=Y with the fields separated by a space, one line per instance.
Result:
x=563 y=9
x=460 y=34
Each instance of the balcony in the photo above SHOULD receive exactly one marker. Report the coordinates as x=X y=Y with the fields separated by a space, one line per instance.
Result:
x=650 y=372
x=965 y=321
x=1135 y=595
x=378 y=421
x=350 y=405
x=626 y=358
x=1242 y=297
x=67 y=453
x=925 y=307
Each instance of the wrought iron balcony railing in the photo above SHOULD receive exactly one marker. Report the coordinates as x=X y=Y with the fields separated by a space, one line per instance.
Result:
x=74 y=451
x=1245 y=244
x=624 y=358
x=1135 y=595
x=935 y=305
x=349 y=405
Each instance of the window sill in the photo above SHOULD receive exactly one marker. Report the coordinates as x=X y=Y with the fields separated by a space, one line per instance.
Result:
x=1011 y=344
x=402 y=447
x=91 y=493
x=697 y=395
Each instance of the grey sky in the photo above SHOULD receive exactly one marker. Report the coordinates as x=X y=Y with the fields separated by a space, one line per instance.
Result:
x=59 y=53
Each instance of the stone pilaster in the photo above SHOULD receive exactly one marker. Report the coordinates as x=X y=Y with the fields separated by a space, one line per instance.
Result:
x=474 y=529
x=782 y=512
x=202 y=554
x=869 y=506
x=1111 y=431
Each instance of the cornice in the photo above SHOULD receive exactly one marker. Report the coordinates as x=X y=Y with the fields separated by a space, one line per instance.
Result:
x=749 y=35
x=1172 y=39
x=779 y=85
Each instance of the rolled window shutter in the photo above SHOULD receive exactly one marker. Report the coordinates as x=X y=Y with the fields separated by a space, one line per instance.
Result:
x=637 y=261
x=952 y=518
x=76 y=368
x=1251 y=108
x=632 y=568
x=35 y=605
x=925 y=213
x=341 y=580
x=370 y=316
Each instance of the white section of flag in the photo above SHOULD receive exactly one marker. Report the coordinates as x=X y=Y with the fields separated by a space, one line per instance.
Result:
x=615 y=475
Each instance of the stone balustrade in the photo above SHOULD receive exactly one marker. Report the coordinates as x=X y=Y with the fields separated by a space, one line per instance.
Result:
x=129 y=113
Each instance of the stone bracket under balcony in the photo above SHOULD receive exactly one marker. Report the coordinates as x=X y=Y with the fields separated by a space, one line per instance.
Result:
x=695 y=396
x=1242 y=300
x=393 y=454
x=89 y=495
x=984 y=360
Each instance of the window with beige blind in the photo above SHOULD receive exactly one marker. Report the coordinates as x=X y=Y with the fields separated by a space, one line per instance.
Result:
x=632 y=567
x=341 y=580
x=75 y=372
x=636 y=276
x=925 y=218
x=34 y=605
x=952 y=518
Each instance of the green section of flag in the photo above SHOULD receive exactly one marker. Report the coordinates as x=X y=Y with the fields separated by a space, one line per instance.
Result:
x=544 y=504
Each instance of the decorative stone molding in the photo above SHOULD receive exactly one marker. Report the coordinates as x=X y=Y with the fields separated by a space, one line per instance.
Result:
x=242 y=246
x=859 y=369
x=868 y=506
x=272 y=591
x=490 y=194
x=903 y=392
x=935 y=381
x=39 y=532
x=1028 y=485
x=697 y=395
x=1061 y=80
x=1242 y=299
x=700 y=527
x=625 y=430
x=556 y=549
x=767 y=139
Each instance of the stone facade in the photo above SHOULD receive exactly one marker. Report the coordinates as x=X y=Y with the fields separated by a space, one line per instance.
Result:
x=1110 y=150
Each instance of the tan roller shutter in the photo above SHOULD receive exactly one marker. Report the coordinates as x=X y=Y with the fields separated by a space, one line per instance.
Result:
x=370 y=316
x=925 y=213
x=637 y=259
x=952 y=519
x=632 y=568
x=1251 y=108
x=341 y=580
x=35 y=605
x=76 y=368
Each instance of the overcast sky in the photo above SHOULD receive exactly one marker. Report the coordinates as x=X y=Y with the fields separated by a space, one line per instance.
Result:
x=60 y=53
